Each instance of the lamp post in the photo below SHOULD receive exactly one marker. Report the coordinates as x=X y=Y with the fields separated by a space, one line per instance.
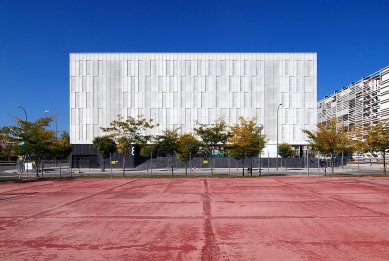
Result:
x=24 y=110
x=278 y=109
x=260 y=127
x=26 y=155
x=56 y=124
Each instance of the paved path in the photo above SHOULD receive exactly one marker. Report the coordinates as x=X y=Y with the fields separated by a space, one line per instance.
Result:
x=269 y=218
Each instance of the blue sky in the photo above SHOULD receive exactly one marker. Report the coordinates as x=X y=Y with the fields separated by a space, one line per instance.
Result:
x=36 y=37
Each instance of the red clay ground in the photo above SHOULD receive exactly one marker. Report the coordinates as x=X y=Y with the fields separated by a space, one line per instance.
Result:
x=286 y=218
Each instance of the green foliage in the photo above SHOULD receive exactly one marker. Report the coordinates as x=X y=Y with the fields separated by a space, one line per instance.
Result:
x=147 y=149
x=32 y=138
x=246 y=139
x=187 y=146
x=167 y=142
x=285 y=150
x=61 y=147
x=212 y=136
x=129 y=131
x=377 y=139
x=330 y=139
x=105 y=146
x=124 y=145
x=8 y=147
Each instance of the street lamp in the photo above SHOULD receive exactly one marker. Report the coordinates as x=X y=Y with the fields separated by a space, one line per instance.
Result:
x=26 y=155
x=56 y=124
x=278 y=108
x=25 y=113
x=260 y=127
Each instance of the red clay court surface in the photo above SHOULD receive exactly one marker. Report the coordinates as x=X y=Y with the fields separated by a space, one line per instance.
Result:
x=285 y=218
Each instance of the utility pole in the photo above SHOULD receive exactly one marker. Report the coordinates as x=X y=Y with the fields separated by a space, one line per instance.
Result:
x=278 y=109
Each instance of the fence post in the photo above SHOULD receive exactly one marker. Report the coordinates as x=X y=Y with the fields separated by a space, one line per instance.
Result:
x=110 y=162
x=71 y=166
x=229 y=165
x=151 y=167
x=318 y=163
x=308 y=162
x=268 y=163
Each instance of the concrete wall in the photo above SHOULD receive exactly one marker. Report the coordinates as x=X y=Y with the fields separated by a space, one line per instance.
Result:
x=178 y=89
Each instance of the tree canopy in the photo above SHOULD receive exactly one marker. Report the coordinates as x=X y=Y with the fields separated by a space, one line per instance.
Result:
x=285 y=150
x=212 y=137
x=32 y=138
x=62 y=147
x=377 y=139
x=105 y=145
x=127 y=132
x=167 y=143
x=246 y=139
x=187 y=146
x=330 y=139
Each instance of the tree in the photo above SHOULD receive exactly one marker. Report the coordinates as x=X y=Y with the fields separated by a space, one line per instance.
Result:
x=246 y=140
x=128 y=132
x=285 y=150
x=329 y=139
x=377 y=139
x=8 y=148
x=61 y=149
x=105 y=146
x=167 y=143
x=147 y=151
x=32 y=138
x=212 y=137
x=187 y=146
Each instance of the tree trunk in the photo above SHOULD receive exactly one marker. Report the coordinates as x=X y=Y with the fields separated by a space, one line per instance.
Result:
x=60 y=170
x=172 y=166
x=212 y=163
x=325 y=166
x=251 y=166
x=103 y=165
x=124 y=165
x=383 y=156
x=110 y=163
x=151 y=163
x=243 y=168
x=148 y=164
x=332 y=164
x=186 y=168
x=42 y=168
x=37 y=168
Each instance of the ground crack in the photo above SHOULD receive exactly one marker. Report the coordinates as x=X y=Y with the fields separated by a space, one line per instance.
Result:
x=210 y=250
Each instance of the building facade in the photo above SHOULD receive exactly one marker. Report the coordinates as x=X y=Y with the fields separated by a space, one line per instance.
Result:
x=360 y=104
x=177 y=90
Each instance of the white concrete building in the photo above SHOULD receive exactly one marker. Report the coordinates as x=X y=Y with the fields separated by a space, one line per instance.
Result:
x=178 y=89
x=360 y=104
